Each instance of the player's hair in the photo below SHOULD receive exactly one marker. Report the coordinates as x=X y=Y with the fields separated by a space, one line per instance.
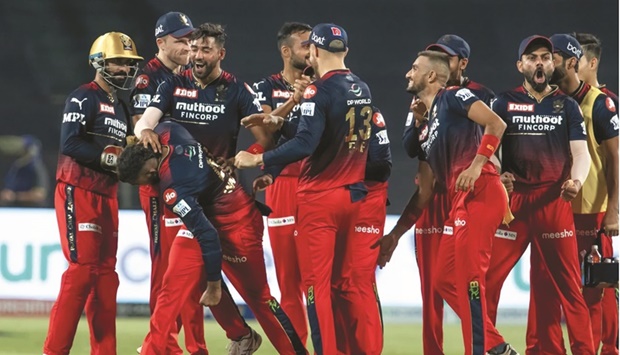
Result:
x=440 y=64
x=214 y=30
x=590 y=44
x=566 y=57
x=290 y=28
x=132 y=160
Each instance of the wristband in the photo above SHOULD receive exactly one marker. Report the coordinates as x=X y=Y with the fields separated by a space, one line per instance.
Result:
x=255 y=149
x=409 y=218
x=488 y=145
x=109 y=157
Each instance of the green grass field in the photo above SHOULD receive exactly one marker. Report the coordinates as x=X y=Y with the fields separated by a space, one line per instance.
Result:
x=26 y=336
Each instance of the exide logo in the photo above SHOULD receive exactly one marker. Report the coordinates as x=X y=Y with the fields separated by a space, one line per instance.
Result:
x=106 y=108
x=513 y=107
x=181 y=92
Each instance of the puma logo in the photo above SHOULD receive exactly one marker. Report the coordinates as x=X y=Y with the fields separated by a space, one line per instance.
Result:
x=73 y=99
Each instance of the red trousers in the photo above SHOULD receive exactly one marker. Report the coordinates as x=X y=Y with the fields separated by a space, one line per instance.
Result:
x=88 y=226
x=241 y=237
x=357 y=309
x=543 y=219
x=428 y=232
x=281 y=197
x=601 y=303
x=163 y=226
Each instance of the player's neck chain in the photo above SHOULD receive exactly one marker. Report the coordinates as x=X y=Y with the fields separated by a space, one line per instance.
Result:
x=289 y=86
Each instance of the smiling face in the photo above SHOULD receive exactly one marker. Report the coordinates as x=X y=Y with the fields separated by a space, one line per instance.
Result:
x=417 y=75
x=206 y=55
x=537 y=67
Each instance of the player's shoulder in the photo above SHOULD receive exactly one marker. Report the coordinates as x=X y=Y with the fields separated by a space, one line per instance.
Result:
x=478 y=88
x=228 y=78
x=88 y=90
x=603 y=103
x=267 y=82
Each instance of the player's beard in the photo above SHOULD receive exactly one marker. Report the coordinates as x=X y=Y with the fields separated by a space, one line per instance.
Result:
x=414 y=88
x=203 y=72
x=538 y=86
x=558 y=75
x=299 y=63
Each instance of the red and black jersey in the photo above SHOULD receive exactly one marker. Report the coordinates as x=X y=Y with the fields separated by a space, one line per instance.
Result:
x=274 y=91
x=451 y=139
x=91 y=121
x=609 y=93
x=536 y=143
x=146 y=83
x=333 y=133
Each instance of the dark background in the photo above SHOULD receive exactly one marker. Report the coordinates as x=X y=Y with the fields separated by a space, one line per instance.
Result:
x=45 y=48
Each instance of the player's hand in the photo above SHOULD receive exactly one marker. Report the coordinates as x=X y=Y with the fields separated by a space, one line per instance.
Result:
x=419 y=111
x=610 y=223
x=269 y=121
x=148 y=137
x=387 y=244
x=507 y=179
x=467 y=179
x=261 y=183
x=244 y=160
x=570 y=189
x=300 y=86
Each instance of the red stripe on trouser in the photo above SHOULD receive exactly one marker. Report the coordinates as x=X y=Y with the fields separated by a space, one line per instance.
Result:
x=586 y=226
x=241 y=237
x=428 y=231
x=537 y=212
x=89 y=283
x=357 y=315
x=185 y=274
x=325 y=222
x=281 y=198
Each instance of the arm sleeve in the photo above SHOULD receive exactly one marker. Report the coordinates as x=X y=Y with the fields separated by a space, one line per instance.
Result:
x=604 y=119
x=248 y=101
x=576 y=127
x=460 y=100
x=288 y=129
x=79 y=111
x=192 y=215
x=379 y=161
x=308 y=136
x=263 y=90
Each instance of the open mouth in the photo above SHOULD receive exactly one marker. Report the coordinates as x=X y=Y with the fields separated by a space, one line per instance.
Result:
x=539 y=76
x=199 y=65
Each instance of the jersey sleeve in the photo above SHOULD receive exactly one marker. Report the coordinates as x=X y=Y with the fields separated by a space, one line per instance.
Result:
x=604 y=118
x=379 y=161
x=189 y=210
x=263 y=90
x=248 y=101
x=576 y=126
x=411 y=139
x=460 y=100
x=80 y=111
x=308 y=135
x=164 y=98
x=141 y=95
x=498 y=105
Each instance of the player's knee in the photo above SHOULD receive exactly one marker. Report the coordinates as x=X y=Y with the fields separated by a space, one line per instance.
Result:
x=81 y=275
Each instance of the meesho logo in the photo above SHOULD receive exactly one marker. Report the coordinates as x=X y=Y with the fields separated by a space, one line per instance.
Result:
x=367 y=230
x=558 y=235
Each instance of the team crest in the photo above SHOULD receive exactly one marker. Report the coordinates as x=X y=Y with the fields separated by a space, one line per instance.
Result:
x=220 y=93
x=184 y=20
x=558 y=106
x=127 y=44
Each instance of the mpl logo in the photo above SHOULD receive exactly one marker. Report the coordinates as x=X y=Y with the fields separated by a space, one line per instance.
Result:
x=182 y=92
x=460 y=222
x=317 y=39
x=106 y=108
x=514 y=107
x=170 y=196
x=575 y=50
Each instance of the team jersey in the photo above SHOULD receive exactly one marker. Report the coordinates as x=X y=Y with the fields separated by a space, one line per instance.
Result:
x=601 y=121
x=609 y=93
x=379 y=161
x=536 y=143
x=411 y=143
x=91 y=121
x=333 y=133
x=146 y=83
x=452 y=140
x=189 y=179
x=274 y=91
x=212 y=114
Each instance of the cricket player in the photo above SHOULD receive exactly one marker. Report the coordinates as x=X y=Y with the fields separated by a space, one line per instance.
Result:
x=278 y=92
x=591 y=204
x=172 y=32
x=93 y=132
x=210 y=102
x=333 y=136
x=590 y=62
x=545 y=159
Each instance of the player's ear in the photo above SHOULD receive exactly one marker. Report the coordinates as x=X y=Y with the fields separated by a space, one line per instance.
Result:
x=222 y=53
x=520 y=66
x=160 y=42
x=593 y=63
x=463 y=63
x=285 y=51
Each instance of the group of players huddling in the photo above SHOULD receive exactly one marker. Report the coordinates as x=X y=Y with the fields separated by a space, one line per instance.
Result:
x=325 y=156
